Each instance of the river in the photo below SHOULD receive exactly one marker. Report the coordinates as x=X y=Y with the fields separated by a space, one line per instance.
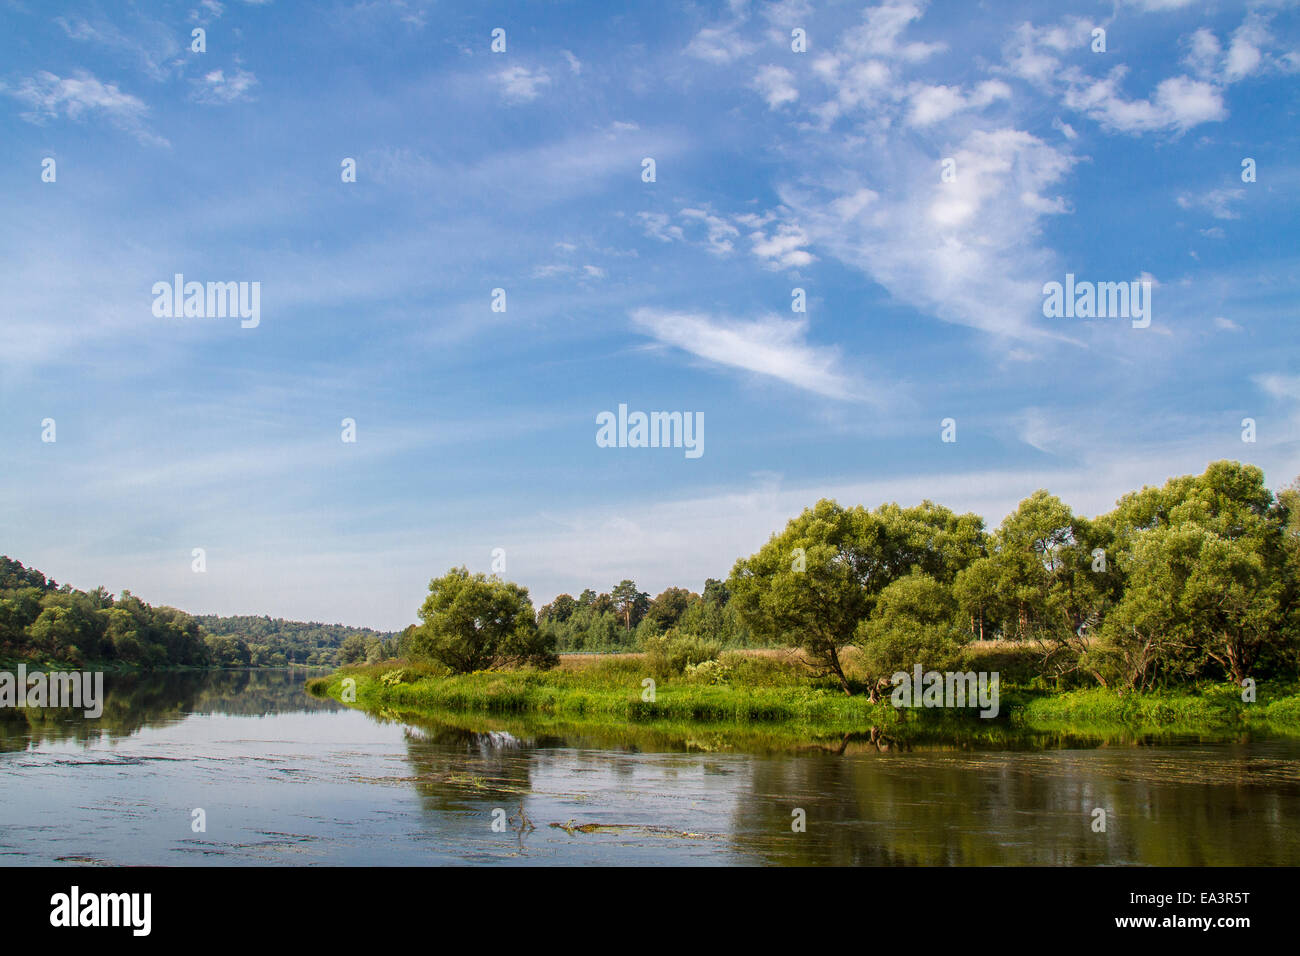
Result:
x=283 y=778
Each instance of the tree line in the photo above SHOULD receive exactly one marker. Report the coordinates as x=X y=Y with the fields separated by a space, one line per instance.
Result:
x=42 y=620
x=1196 y=579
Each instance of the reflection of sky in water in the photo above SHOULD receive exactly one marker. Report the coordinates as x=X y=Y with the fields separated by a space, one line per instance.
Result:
x=336 y=787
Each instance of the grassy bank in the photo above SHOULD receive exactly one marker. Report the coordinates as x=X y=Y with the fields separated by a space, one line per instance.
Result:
x=605 y=689
x=770 y=692
x=1198 y=709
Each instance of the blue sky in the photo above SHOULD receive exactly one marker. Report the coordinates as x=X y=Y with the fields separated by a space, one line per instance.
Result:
x=522 y=170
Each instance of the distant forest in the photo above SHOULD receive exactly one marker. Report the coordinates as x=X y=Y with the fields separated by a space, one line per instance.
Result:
x=41 y=620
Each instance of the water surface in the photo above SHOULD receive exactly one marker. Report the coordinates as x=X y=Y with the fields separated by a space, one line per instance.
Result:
x=284 y=778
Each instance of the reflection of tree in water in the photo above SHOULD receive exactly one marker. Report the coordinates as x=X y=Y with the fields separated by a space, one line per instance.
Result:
x=260 y=692
x=469 y=770
x=135 y=701
x=978 y=809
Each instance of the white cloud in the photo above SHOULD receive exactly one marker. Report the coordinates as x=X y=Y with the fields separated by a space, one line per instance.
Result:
x=787 y=13
x=520 y=84
x=1203 y=53
x=720 y=232
x=776 y=85
x=867 y=86
x=48 y=96
x=965 y=251
x=879 y=35
x=1280 y=386
x=1064 y=128
x=207 y=10
x=1249 y=52
x=1039 y=431
x=783 y=248
x=769 y=346
x=658 y=225
x=217 y=88
x=1180 y=103
x=151 y=44
x=720 y=45
x=930 y=104
x=1244 y=54
x=1216 y=201
x=1034 y=53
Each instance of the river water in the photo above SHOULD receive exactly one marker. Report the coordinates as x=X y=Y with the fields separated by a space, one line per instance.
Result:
x=283 y=778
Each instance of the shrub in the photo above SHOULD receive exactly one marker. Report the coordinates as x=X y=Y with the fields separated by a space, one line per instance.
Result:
x=670 y=654
x=708 y=672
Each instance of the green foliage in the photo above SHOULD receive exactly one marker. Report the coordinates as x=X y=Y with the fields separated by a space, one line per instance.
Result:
x=673 y=652
x=473 y=622
x=273 y=641
x=816 y=583
x=1209 y=589
x=352 y=650
x=42 y=621
x=592 y=623
x=914 y=622
x=707 y=672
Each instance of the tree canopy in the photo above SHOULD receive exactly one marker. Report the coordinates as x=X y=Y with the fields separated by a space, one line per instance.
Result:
x=473 y=622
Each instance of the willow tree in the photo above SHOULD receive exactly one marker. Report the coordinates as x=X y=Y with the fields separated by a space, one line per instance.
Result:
x=817 y=581
x=1207 y=584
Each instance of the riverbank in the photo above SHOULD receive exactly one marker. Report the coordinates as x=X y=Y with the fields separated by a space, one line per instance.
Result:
x=33 y=665
x=767 y=691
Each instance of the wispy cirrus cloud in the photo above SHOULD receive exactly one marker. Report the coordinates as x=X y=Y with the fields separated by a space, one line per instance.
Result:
x=151 y=46
x=770 y=346
x=48 y=96
x=967 y=251
x=1218 y=202
x=720 y=45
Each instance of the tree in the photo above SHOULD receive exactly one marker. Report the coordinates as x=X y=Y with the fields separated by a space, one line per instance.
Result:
x=629 y=603
x=559 y=610
x=811 y=584
x=667 y=609
x=977 y=594
x=473 y=622
x=1206 y=582
x=914 y=622
x=715 y=592
x=818 y=580
x=352 y=650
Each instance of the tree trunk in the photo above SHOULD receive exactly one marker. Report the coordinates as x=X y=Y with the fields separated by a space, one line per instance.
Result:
x=838 y=671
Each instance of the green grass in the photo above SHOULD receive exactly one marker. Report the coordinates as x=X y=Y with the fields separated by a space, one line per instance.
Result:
x=608 y=690
x=1197 y=709
x=768 y=695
